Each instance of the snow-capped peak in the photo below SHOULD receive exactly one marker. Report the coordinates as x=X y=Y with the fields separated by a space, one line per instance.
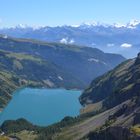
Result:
x=75 y=25
x=93 y=24
x=23 y=26
x=133 y=23
x=118 y=25
x=85 y=25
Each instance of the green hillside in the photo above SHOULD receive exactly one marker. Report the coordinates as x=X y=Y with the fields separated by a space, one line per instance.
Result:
x=9 y=83
x=18 y=69
x=118 y=118
x=115 y=86
x=84 y=63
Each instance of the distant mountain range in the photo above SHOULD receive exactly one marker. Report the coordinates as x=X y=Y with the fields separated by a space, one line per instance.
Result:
x=116 y=38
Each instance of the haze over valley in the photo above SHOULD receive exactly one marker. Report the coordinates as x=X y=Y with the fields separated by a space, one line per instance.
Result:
x=112 y=38
x=69 y=70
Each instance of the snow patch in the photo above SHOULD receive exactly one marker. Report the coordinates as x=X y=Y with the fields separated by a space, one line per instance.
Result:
x=119 y=25
x=75 y=26
x=96 y=60
x=93 y=60
x=60 y=78
x=103 y=63
x=134 y=22
x=126 y=45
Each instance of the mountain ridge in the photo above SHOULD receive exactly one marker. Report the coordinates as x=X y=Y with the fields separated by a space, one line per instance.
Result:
x=118 y=90
x=115 y=86
x=133 y=23
x=25 y=62
x=66 y=56
x=122 y=39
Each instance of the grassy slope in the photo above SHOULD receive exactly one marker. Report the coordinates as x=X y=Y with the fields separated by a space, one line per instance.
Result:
x=71 y=58
x=124 y=115
x=31 y=62
x=18 y=62
x=112 y=86
x=72 y=131
x=18 y=69
x=9 y=83
x=38 y=69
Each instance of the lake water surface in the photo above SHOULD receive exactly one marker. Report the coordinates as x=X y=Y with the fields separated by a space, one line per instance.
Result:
x=42 y=106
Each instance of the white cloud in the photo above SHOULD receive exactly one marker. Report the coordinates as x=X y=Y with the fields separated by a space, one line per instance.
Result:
x=71 y=41
x=110 y=45
x=64 y=40
x=67 y=41
x=126 y=45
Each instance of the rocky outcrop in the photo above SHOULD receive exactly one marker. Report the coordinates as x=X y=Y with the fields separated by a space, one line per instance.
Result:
x=116 y=86
x=111 y=133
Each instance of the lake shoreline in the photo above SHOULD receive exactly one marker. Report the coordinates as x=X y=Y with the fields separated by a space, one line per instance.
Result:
x=58 y=101
x=39 y=87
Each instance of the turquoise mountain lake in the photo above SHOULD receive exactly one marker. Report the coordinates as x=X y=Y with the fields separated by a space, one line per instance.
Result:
x=42 y=106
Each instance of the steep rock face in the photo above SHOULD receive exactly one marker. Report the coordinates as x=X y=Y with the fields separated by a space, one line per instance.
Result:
x=8 y=84
x=116 y=86
x=112 y=133
x=119 y=86
x=138 y=59
x=123 y=124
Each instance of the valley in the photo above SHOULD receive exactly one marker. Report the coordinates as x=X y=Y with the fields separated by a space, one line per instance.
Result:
x=110 y=102
x=31 y=63
x=116 y=114
x=69 y=70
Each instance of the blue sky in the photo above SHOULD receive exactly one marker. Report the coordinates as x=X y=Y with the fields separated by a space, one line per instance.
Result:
x=61 y=12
